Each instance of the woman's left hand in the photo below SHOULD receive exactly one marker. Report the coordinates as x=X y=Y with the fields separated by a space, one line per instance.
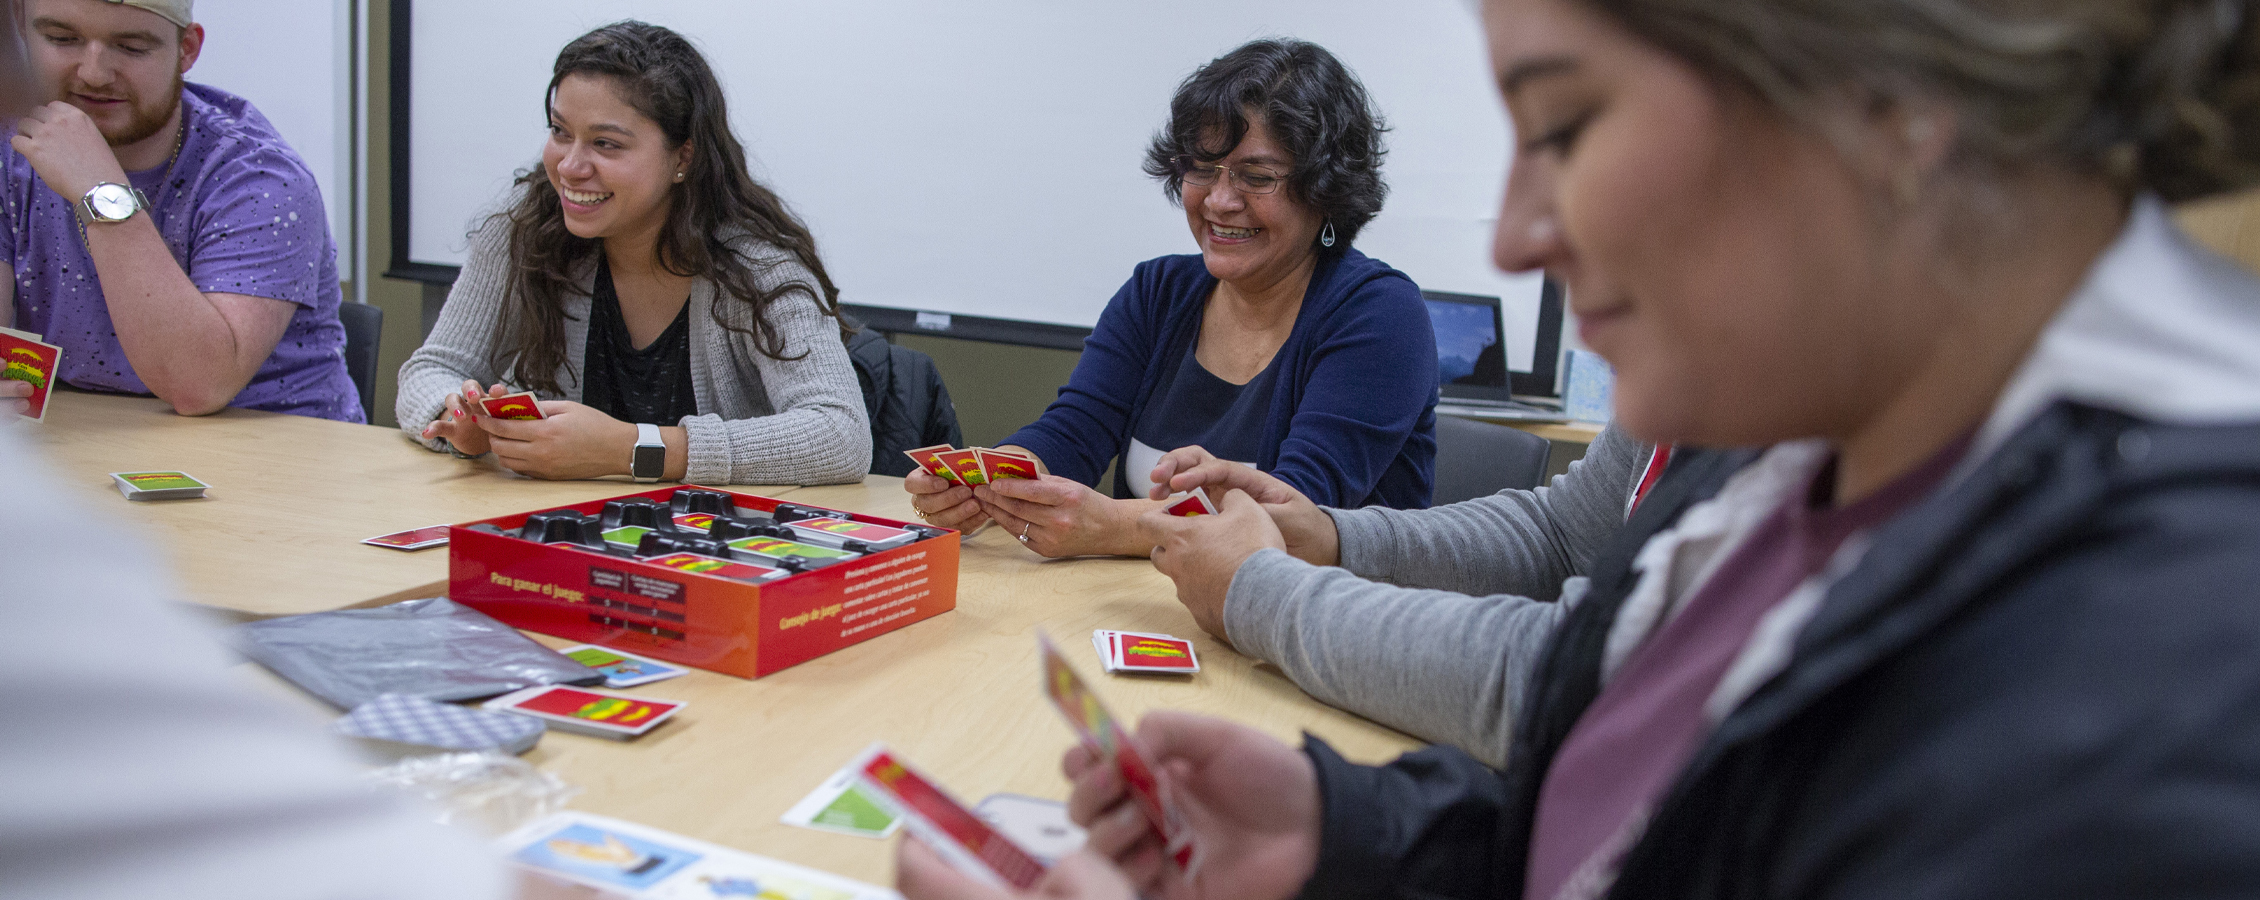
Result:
x=1202 y=554
x=574 y=441
x=1059 y=517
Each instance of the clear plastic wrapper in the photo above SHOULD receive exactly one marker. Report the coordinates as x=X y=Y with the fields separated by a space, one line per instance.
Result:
x=432 y=648
x=491 y=792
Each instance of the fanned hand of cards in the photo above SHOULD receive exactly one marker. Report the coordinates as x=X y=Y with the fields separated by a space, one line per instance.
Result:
x=24 y=357
x=1102 y=734
x=1138 y=651
x=975 y=466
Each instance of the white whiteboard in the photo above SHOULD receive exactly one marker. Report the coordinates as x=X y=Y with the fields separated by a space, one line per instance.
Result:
x=981 y=157
x=292 y=60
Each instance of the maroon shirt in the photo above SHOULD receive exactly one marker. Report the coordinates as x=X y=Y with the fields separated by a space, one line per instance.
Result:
x=1632 y=743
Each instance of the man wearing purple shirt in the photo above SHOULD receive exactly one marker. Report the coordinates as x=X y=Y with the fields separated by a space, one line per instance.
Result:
x=161 y=232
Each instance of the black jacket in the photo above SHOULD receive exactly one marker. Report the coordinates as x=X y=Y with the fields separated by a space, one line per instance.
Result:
x=903 y=393
x=2043 y=682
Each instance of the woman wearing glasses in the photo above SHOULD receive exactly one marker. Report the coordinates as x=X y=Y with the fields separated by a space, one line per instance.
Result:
x=1279 y=345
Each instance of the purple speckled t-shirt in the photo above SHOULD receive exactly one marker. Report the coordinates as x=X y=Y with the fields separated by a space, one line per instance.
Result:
x=242 y=215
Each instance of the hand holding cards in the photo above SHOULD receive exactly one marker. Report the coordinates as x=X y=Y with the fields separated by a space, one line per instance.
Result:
x=1191 y=503
x=24 y=357
x=521 y=405
x=1103 y=735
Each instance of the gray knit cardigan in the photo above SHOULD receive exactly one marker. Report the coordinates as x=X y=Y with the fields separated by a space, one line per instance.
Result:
x=760 y=420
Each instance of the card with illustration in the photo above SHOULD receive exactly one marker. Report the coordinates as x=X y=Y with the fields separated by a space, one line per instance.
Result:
x=843 y=529
x=840 y=804
x=628 y=536
x=26 y=358
x=412 y=539
x=1191 y=503
x=722 y=568
x=966 y=465
x=961 y=838
x=779 y=548
x=695 y=521
x=929 y=458
x=608 y=857
x=997 y=465
x=1136 y=652
x=616 y=716
x=621 y=670
x=158 y=485
x=628 y=860
x=521 y=405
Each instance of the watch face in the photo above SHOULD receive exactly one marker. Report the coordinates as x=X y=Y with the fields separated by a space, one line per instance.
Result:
x=650 y=461
x=111 y=202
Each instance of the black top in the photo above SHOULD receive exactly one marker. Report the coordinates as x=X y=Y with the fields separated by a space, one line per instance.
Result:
x=647 y=386
x=1194 y=407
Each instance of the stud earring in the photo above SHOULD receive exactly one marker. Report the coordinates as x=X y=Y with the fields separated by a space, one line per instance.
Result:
x=1326 y=235
x=678 y=178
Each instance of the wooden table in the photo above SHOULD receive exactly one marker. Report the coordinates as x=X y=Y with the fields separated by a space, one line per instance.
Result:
x=957 y=694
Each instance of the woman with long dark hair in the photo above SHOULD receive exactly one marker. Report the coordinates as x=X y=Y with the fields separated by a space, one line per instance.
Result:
x=669 y=312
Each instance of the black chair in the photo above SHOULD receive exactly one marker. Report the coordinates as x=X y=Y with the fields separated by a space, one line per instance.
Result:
x=1478 y=459
x=364 y=326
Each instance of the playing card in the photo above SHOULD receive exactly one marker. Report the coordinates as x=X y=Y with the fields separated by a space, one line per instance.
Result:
x=1040 y=827
x=954 y=832
x=997 y=465
x=629 y=536
x=841 y=804
x=158 y=485
x=721 y=568
x=695 y=521
x=929 y=458
x=1136 y=652
x=1101 y=733
x=412 y=539
x=521 y=405
x=966 y=464
x=629 y=860
x=615 y=716
x=621 y=670
x=24 y=357
x=779 y=548
x=878 y=536
x=1191 y=503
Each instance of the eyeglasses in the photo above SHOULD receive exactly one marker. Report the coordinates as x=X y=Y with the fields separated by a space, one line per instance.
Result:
x=1246 y=179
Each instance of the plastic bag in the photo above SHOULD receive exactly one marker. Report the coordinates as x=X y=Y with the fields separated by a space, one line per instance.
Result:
x=433 y=648
x=487 y=791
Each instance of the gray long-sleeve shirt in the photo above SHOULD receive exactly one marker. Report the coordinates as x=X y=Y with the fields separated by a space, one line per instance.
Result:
x=1462 y=599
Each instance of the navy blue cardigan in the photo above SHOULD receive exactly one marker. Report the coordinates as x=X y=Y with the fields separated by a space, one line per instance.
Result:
x=1353 y=422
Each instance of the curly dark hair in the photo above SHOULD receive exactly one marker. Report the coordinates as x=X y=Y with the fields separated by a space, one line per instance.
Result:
x=664 y=77
x=1312 y=105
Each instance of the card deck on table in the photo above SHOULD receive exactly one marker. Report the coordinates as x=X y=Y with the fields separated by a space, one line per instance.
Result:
x=779 y=548
x=158 y=485
x=878 y=536
x=521 y=405
x=629 y=860
x=614 y=716
x=1191 y=503
x=1104 y=735
x=620 y=670
x=966 y=842
x=997 y=465
x=412 y=539
x=929 y=458
x=966 y=464
x=707 y=565
x=24 y=357
x=1039 y=826
x=1137 y=651
x=842 y=804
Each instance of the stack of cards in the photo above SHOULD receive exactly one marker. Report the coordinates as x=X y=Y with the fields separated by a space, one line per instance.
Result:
x=955 y=833
x=641 y=863
x=24 y=357
x=571 y=709
x=412 y=539
x=975 y=466
x=410 y=719
x=1137 y=651
x=1102 y=734
x=1194 y=502
x=521 y=405
x=158 y=485
x=620 y=670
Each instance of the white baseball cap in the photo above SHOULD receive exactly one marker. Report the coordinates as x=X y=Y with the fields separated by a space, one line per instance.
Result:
x=175 y=11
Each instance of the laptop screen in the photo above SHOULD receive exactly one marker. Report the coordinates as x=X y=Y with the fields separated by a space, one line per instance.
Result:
x=1471 y=359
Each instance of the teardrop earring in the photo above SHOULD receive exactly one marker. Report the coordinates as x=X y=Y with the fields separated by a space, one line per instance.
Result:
x=1326 y=235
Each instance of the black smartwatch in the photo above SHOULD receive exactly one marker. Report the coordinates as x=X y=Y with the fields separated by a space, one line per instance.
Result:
x=650 y=459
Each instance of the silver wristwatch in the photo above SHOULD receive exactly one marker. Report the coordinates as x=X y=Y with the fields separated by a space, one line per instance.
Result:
x=111 y=202
x=650 y=459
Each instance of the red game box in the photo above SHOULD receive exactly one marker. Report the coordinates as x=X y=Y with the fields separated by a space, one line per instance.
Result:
x=721 y=624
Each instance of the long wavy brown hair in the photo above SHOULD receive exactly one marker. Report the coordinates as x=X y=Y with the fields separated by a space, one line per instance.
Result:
x=665 y=78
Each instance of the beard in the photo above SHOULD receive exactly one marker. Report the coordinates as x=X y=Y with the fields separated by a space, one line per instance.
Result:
x=144 y=117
